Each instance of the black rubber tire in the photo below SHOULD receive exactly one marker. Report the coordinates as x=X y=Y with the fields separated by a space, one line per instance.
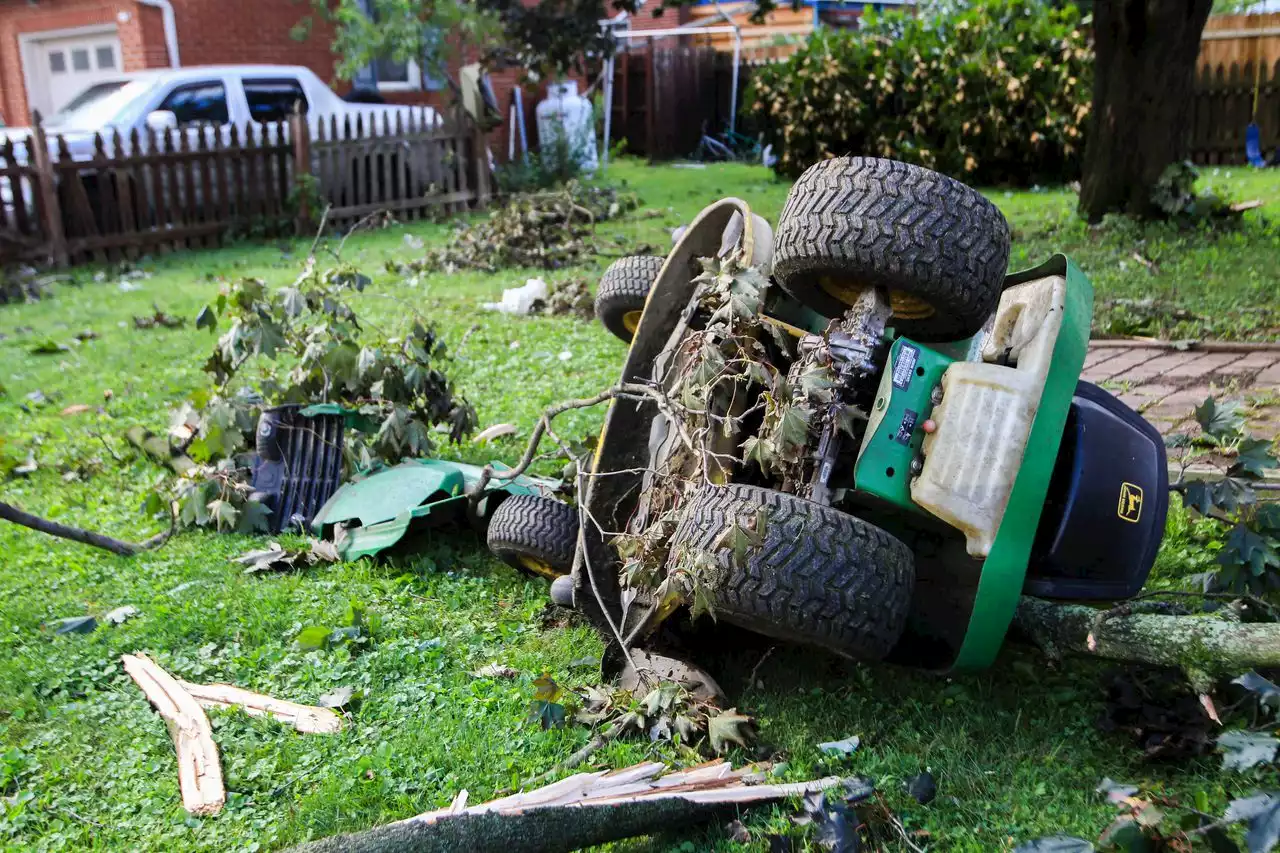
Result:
x=881 y=223
x=536 y=527
x=822 y=577
x=623 y=289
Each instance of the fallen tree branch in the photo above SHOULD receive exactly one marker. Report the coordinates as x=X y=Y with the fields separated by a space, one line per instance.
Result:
x=199 y=769
x=8 y=512
x=580 y=811
x=1203 y=647
x=307 y=719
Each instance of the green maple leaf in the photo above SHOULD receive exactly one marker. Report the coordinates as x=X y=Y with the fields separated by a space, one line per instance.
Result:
x=1244 y=547
x=661 y=698
x=793 y=427
x=367 y=361
x=1219 y=421
x=254 y=518
x=1254 y=457
x=759 y=451
x=292 y=301
x=729 y=728
x=223 y=514
x=207 y=319
x=739 y=540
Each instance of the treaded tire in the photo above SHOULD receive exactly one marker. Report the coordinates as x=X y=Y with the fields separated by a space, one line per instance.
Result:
x=623 y=289
x=872 y=222
x=822 y=576
x=538 y=529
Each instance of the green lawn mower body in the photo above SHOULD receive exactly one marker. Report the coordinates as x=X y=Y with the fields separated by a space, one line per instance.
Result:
x=378 y=508
x=986 y=469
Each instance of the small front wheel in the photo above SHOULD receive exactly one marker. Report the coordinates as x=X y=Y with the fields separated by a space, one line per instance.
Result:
x=535 y=535
x=624 y=287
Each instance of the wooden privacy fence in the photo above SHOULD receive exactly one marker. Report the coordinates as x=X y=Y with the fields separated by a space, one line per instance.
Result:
x=1240 y=39
x=193 y=187
x=664 y=97
x=1227 y=99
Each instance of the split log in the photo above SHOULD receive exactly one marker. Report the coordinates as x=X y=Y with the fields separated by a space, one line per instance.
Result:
x=1204 y=647
x=199 y=769
x=579 y=811
x=308 y=719
x=8 y=512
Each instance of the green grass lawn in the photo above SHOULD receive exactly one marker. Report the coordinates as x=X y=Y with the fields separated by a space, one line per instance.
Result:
x=85 y=763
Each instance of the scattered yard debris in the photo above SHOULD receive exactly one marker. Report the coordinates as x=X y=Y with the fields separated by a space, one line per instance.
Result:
x=580 y=811
x=120 y=615
x=548 y=230
x=571 y=298
x=308 y=719
x=277 y=558
x=8 y=512
x=841 y=748
x=76 y=625
x=521 y=300
x=199 y=769
x=48 y=346
x=159 y=449
x=76 y=409
x=496 y=431
x=181 y=704
x=1159 y=821
x=496 y=670
x=341 y=697
x=923 y=788
x=22 y=284
x=158 y=319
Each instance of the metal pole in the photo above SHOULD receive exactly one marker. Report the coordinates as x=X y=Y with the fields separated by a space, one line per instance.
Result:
x=733 y=86
x=608 y=111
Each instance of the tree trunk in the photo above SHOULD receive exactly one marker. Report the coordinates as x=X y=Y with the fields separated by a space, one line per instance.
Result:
x=1205 y=648
x=1143 y=79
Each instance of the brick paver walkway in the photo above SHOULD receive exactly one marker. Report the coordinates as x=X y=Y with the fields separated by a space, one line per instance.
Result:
x=1164 y=385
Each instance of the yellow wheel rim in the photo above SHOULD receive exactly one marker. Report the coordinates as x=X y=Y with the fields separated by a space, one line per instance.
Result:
x=845 y=291
x=909 y=307
x=538 y=567
x=904 y=305
x=631 y=321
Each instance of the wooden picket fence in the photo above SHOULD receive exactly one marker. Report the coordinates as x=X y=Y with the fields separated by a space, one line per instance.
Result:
x=1227 y=99
x=146 y=192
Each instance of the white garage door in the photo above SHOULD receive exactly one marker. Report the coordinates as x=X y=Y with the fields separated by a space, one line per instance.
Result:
x=61 y=67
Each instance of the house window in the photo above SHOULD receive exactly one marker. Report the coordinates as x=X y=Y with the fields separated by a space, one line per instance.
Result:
x=273 y=100
x=394 y=76
x=106 y=57
x=80 y=59
x=200 y=103
x=57 y=61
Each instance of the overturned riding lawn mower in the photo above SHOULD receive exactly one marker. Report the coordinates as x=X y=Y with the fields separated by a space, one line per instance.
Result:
x=863 y=434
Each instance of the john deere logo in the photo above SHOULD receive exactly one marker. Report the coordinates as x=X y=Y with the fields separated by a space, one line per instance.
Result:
x=1130 y=508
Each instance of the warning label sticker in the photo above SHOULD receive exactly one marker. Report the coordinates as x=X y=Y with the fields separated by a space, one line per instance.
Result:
x=908 y=426
x=904 y=366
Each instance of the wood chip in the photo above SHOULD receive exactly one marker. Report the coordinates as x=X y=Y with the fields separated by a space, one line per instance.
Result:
x=1242 y=206
x=199 y=770
x=307 y=719
x=496 y=431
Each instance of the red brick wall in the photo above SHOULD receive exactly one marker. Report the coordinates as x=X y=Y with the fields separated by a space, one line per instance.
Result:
x=216 y=32
x=150 y=50
x=18 y=17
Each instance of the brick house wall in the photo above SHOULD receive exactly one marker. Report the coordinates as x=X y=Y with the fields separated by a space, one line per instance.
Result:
x=210 y=32
x=235 y=31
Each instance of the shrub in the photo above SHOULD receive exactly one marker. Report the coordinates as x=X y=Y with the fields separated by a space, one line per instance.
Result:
x=993 y=92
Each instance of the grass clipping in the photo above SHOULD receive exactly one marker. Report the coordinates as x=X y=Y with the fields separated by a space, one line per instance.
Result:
x=546 y=230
